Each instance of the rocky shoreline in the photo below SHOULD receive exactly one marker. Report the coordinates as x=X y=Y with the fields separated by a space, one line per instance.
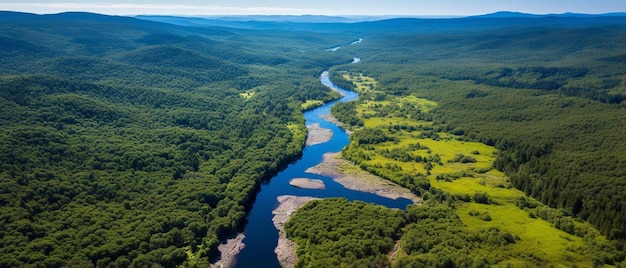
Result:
x=286 y=249
x=334 y=120
x=229 y=251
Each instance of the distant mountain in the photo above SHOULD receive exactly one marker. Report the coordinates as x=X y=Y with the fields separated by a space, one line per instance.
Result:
x=189 y=20
x=287 y=18
x=510 y=14
x=407 y=24
x=507 y=14
x=491 y=21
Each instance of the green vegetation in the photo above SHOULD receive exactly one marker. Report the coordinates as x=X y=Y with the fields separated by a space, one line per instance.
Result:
x=450 y=171
x=561 y=148
x=135 y=143
x=437 y=238
x=132 y=143
x=310 y=104
x=562 y=143
x=335 y=232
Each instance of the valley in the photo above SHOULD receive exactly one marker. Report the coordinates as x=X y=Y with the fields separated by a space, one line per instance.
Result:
x=150 y=141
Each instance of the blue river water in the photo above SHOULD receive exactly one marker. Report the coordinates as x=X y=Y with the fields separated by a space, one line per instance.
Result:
x=261 y=235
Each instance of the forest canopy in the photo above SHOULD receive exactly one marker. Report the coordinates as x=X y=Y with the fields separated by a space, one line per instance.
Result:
x=545 y=98
x=129 y=142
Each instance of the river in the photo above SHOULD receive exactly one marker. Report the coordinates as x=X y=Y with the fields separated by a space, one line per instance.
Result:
x=261 y=236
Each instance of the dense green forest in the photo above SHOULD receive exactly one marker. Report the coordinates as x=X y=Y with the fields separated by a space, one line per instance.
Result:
x=556 y=113
x=137 y=143
x=550 y=99
x=335 y=232
x=134 y=143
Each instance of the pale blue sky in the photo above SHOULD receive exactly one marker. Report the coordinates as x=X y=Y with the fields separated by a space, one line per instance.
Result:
x=315 y=7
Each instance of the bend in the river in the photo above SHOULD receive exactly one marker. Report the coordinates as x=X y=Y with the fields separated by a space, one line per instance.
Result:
x=261 y=236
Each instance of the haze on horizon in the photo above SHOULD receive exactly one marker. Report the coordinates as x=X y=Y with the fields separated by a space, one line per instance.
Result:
x=319 y=7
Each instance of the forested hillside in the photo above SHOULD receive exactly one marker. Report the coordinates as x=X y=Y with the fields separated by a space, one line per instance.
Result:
x=549 y=98
x=128 y=142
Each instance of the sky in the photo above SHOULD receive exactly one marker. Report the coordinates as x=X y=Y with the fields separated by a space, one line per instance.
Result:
x=315 y=7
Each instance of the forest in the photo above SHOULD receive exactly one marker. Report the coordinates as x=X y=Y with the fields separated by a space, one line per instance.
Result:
x=561 y=145
x=548 y=100
x=138 y=143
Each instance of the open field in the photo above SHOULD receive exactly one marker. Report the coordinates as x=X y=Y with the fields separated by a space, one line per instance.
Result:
x=437 y=156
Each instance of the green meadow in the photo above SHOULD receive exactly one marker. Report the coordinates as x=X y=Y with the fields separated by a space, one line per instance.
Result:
x=538 y=241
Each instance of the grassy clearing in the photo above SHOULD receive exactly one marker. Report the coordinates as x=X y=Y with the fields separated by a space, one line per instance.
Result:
x=424 y=104
x=538 y=238
x=384 y=122
x=449 y=148
x=539 y=241
x=298 y=132
x=247 y=95
x=362 y=82
x=310 y=104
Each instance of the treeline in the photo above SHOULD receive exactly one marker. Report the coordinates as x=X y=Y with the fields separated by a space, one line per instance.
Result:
x=549 y=79
x=132 y=143
x=345 y=112
x=337 y=78
x=436 y=238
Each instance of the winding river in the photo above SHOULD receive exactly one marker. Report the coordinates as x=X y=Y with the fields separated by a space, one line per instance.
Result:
x=261 y=236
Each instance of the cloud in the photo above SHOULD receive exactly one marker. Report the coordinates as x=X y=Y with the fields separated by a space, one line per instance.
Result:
x=136 y=9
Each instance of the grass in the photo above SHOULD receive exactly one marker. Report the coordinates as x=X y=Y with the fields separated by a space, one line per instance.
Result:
x=247 y=95
x=384 y=122
x=310 y=104
x=448 y=148
x=540 y=241
x=298 y=132
x=362 y=82
x=538 y=238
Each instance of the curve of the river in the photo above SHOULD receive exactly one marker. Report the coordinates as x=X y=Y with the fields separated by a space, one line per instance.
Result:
x=261 y=236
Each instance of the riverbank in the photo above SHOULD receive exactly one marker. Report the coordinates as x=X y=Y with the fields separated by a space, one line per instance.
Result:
x=345 y=173
x=229 y=251
x=325 y=74
x=335 y=121
x=286 y=249
x=352 y=177
x=259 y=234
x=318 y=134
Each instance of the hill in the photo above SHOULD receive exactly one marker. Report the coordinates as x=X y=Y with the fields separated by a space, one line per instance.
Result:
x=130 y=142
x=548 y=92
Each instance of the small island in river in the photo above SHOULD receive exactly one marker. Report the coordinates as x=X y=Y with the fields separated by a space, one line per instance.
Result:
x=352 y=177
x=307 y=183
x=317 y=134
